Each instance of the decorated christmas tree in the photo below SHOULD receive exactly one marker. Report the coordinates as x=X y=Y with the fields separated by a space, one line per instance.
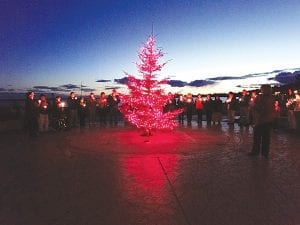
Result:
x=144 y=105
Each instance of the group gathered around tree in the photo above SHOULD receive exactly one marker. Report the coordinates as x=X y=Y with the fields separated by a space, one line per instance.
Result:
x=259 y=109
x=149 y=108
x=104 y=110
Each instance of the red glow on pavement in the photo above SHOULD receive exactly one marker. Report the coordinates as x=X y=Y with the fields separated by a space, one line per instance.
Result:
x=144 y=178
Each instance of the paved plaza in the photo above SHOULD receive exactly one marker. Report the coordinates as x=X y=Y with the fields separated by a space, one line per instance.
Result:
x=114 y=176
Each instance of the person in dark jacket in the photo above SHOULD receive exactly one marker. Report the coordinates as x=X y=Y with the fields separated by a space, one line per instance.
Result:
x=290 y=107
x=244 y=108
x=217 y=110
x=102 y=109
x=209 y=107
x=91 y=108
x=264 y=116
x=82 y=112
x=180 y=104
x=113 y=100
x=231 y=105
x=31 y=114
x=199 y=105
x=253 y=96
x=170 y=104
x=72 y=109
x=59 y=121
x=43 y=118
x=189 y=104
x=58 y=108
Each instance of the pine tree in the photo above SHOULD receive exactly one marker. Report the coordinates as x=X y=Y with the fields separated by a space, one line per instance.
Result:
x=143 y=106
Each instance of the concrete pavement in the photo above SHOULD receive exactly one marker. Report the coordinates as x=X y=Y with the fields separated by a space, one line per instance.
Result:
x=191 y=176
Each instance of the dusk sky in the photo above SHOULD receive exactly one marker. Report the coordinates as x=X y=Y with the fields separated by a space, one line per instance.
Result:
x=54 y=43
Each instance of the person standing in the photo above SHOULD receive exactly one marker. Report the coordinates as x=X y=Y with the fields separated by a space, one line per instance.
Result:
x=209 y=107
x=231 y=104
x=82 y=111
x=277 y=112
x=290 y=106
x=189 y=108
x=170 y=104
x=263 y=109
x=92 y=106
x=251 y=104
x=72 y=110
x=217 y=110
x=43 y=118
x=181 y=105
x=31 y=114
x=199 y=108
x=57 y=110
x=102 y=109
x=113 y=101
x=244 y=108
x=58 y=118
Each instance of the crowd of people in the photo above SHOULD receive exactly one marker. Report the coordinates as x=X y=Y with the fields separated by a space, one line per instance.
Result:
x=77 y=111
x=104 y=110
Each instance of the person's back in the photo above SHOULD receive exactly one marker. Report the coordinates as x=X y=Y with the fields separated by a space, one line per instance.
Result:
x=264 y=107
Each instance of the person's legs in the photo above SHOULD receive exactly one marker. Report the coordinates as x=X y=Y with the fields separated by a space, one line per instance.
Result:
x=256 y=140
x=265 y=142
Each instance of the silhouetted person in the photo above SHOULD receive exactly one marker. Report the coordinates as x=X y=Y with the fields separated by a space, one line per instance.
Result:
x=217 y=110
x=264 y=115
x=231 y=105
x=251 y=104
x=199 y=105
x=113 y=101
x=58 y=118
x=189 y=108
x=57 y=110
x=102 y=109
x=91 y=108
x=209 y=107
x=181 y=105
x=277 y=110
x=72 y=109
x=244 y=108
x=290 y=106
x=82 y=112
x=43 y=118
x=31 y=114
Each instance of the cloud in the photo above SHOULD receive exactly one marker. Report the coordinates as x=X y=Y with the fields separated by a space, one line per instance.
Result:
x=47 y=88
x=225 y=78
x=174 y=83
x=112 y=87
x=88 y=89
x=41 y=87
x=3 y=89
x=222 y=78
x=38 y=90
x=57 y=89
x=177 y=83
x=297 y=74
x=70 y=86
x=285 y=77
x=103 y=81
x=200 y=83
x=123 y=80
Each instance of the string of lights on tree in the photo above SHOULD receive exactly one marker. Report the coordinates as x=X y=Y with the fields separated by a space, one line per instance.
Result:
x=144 y=105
